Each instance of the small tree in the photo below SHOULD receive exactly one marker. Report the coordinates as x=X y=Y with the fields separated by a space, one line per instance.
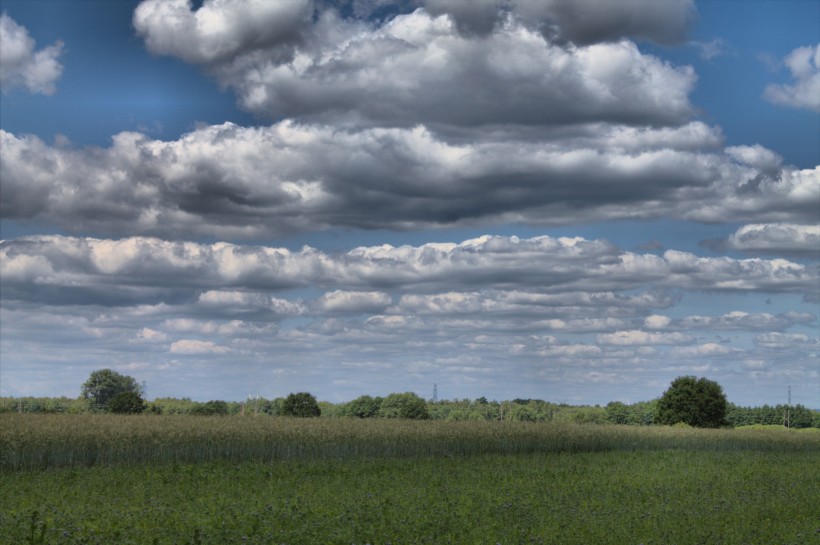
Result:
x=301 y=404
x=103 y=385
x=696 y=402
x=126 y=403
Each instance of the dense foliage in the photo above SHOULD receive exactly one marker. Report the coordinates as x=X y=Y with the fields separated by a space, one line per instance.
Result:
x=103 y=385
x=640 y=413
x=301 y=404
x=407 y=405
x=126 y=403
x=693 y=401
x=364 y=407
x=210 y=408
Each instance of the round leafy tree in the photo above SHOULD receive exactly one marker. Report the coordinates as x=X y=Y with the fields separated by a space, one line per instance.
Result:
x=126 y=403
x=103 y=385
x=694 y=401
x=302 y=404
x=407 y=405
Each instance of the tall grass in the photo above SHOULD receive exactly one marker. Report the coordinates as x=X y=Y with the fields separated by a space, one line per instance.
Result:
x=40 y=441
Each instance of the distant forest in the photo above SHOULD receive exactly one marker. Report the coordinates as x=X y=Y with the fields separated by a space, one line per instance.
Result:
x=535 y=410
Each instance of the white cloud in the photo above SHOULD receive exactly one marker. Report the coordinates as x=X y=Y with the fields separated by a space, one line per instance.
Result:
x=151 y=335
x=777 y=238
x=638 y=337
x=448 y=63
x=353 y=301
x=804 y=65
x=22 y=66
x=194 y=347
x=657 y=322
x=219 y=30
x=418 y=69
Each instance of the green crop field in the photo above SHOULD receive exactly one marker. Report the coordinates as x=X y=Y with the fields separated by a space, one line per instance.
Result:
x=105 y=479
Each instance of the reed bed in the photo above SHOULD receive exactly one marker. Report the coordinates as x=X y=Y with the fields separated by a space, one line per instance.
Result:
x=41 y=441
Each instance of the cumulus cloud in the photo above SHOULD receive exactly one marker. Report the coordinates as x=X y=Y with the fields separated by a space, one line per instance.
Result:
x=777 y=238
x=219 y=30
x=421 y=67
x=804 y=65
x=23 y=66
x=232 y=182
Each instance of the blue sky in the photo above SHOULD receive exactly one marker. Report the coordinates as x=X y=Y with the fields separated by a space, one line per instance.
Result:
x=506 y=198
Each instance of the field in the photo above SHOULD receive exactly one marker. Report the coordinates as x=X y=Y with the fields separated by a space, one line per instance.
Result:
x=104 y=479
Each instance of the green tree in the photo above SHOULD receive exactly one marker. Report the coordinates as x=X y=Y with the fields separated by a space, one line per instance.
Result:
x=407 y=405
x=301 y=404
x=126 y=403
x=617 y=413
x=694 y=401
x=103 y=385
x=364 y=407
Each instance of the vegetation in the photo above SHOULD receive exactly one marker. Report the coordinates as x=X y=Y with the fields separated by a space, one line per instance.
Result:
x=291 y=480
x=693 y=401
x=103 y=385
x=407 y=405
x=302 y=405
x=126 y=403
x=363 y=407
x=36 y=442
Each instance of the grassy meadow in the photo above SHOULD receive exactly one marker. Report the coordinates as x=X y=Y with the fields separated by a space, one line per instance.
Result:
x=178 y=480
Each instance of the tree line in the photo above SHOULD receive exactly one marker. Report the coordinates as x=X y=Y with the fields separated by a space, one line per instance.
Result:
x=688 y=400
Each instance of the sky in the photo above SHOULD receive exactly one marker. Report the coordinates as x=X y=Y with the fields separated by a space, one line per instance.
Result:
x=576 y=201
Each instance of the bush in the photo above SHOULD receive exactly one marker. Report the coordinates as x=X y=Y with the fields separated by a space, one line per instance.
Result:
x=126 y=403
x=301 y=404
x=696 y=402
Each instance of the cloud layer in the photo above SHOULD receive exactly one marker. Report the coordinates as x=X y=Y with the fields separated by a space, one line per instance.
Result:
x=234 y=182
x=569 y=310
